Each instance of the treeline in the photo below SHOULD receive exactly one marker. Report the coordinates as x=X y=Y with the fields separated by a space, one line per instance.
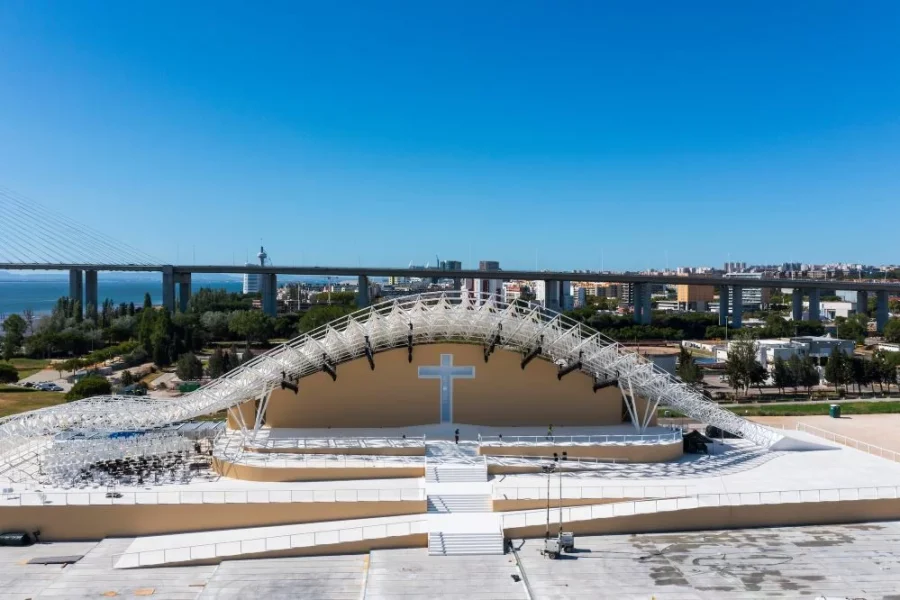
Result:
x=685 y=326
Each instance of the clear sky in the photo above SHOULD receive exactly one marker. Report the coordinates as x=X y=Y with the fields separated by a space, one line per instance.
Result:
x=555 y=134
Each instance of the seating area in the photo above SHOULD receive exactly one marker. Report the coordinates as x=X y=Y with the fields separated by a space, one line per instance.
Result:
x=157 y=458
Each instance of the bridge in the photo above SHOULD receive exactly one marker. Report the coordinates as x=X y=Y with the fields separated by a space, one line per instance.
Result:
x=33 y=238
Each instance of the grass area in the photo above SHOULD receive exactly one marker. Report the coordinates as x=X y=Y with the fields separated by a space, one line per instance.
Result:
x=15 y=400
x=29 y=366
x=799 y=409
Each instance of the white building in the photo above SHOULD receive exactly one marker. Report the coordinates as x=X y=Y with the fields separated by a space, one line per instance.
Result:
x=251 y=280
x=555 y=295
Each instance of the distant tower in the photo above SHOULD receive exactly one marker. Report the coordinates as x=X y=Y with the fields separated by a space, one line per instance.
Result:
x=251 y=280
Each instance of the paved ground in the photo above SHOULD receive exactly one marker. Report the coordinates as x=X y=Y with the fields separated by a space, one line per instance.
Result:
x=837 y=561
x=879 y=430
x=845 y=561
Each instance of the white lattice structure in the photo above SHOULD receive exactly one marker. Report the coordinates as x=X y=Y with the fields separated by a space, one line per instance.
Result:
x=412 y=320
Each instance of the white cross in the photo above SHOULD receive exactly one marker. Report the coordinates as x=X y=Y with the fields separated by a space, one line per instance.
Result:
x=446 y=372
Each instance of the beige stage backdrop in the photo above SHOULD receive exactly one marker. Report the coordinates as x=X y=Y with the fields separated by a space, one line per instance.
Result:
x=393 y=395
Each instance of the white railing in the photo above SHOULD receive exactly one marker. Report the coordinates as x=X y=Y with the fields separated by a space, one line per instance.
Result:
x=588 y=491
x=324 y=461
x=622 y=509
x=579 y=440
x=101 y=497
x=846 y=441
x=535 y=460
x=266 y=544
x=264 y=442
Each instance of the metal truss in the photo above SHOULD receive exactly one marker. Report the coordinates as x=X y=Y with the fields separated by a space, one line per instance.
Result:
x=429 y=318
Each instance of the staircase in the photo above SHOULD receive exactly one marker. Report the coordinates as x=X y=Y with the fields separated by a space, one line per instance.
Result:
x=454 y=473
x=460 y=503
x=462 y=544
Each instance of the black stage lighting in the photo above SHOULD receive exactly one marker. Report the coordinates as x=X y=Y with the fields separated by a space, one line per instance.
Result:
x=329 y=368
x=599 y=385
x=563 y=371
x=530 y=356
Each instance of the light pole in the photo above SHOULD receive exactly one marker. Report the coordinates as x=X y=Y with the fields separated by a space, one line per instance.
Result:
x=548 y=469
x=558 y=466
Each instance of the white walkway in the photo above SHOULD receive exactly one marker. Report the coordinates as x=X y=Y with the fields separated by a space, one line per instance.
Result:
x=229 y=543
x=460 y=517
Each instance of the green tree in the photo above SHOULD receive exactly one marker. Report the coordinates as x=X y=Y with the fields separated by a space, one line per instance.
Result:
x=247 y=356
x=216 y=364
x=837 y=369
x=776 y=327
x=742 y=356
x=782 y=374
x=189 y=367
x=215 y=323
x=161 y=339
x=252 y=325
x=688 y=370
x=127 y=378
x=148 y=302
x=8 y=373
x=92 y=385
x=14 y=328
x=808 y=374
x=320 y=315
x=854 y=328
x=892 y=331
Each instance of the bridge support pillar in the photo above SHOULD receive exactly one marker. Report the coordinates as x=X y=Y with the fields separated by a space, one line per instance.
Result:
x=797 y=304
x=814 y=314
x=90 y=292
x=168 y=289
x=641 y=296
x=76 y=291
x=646 y=309
x=184 y=290
x=862 y=302
x=268 y=287
x=723 y=305
x=457 y=284
x=737 y=306
x=362 y=296
x=881 y=310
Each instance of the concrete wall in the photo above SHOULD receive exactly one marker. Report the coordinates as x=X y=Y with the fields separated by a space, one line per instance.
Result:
x=505 y=505
x=58 y=523
x=730 y=517
x=632 y=453
x=386 y=451
x=277 y=474
x=501 y=394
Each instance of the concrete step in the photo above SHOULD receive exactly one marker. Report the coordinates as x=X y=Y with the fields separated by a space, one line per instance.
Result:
x=460 y=544
x=460 y=503
x=450 y=473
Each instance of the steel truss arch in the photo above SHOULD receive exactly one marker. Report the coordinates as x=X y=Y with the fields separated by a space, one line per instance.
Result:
x=434 y=317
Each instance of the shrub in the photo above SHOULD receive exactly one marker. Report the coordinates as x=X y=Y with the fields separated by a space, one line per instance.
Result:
x=8 y=373
x=93 y=385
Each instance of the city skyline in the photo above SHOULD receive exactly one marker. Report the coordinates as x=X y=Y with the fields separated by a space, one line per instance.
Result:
x=587 y=138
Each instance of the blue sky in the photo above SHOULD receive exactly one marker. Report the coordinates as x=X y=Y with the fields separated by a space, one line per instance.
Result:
x=534 y=133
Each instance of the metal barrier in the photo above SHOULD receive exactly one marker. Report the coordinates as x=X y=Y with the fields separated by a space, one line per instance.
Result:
x=267 y=496
x=556 y=440
x=298 y=443
x=636 y=507
x=266 y=544
x=590 y=492
x=852 y=443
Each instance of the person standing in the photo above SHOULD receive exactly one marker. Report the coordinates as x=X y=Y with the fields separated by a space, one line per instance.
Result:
x=456 y=435
x=550 y=432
